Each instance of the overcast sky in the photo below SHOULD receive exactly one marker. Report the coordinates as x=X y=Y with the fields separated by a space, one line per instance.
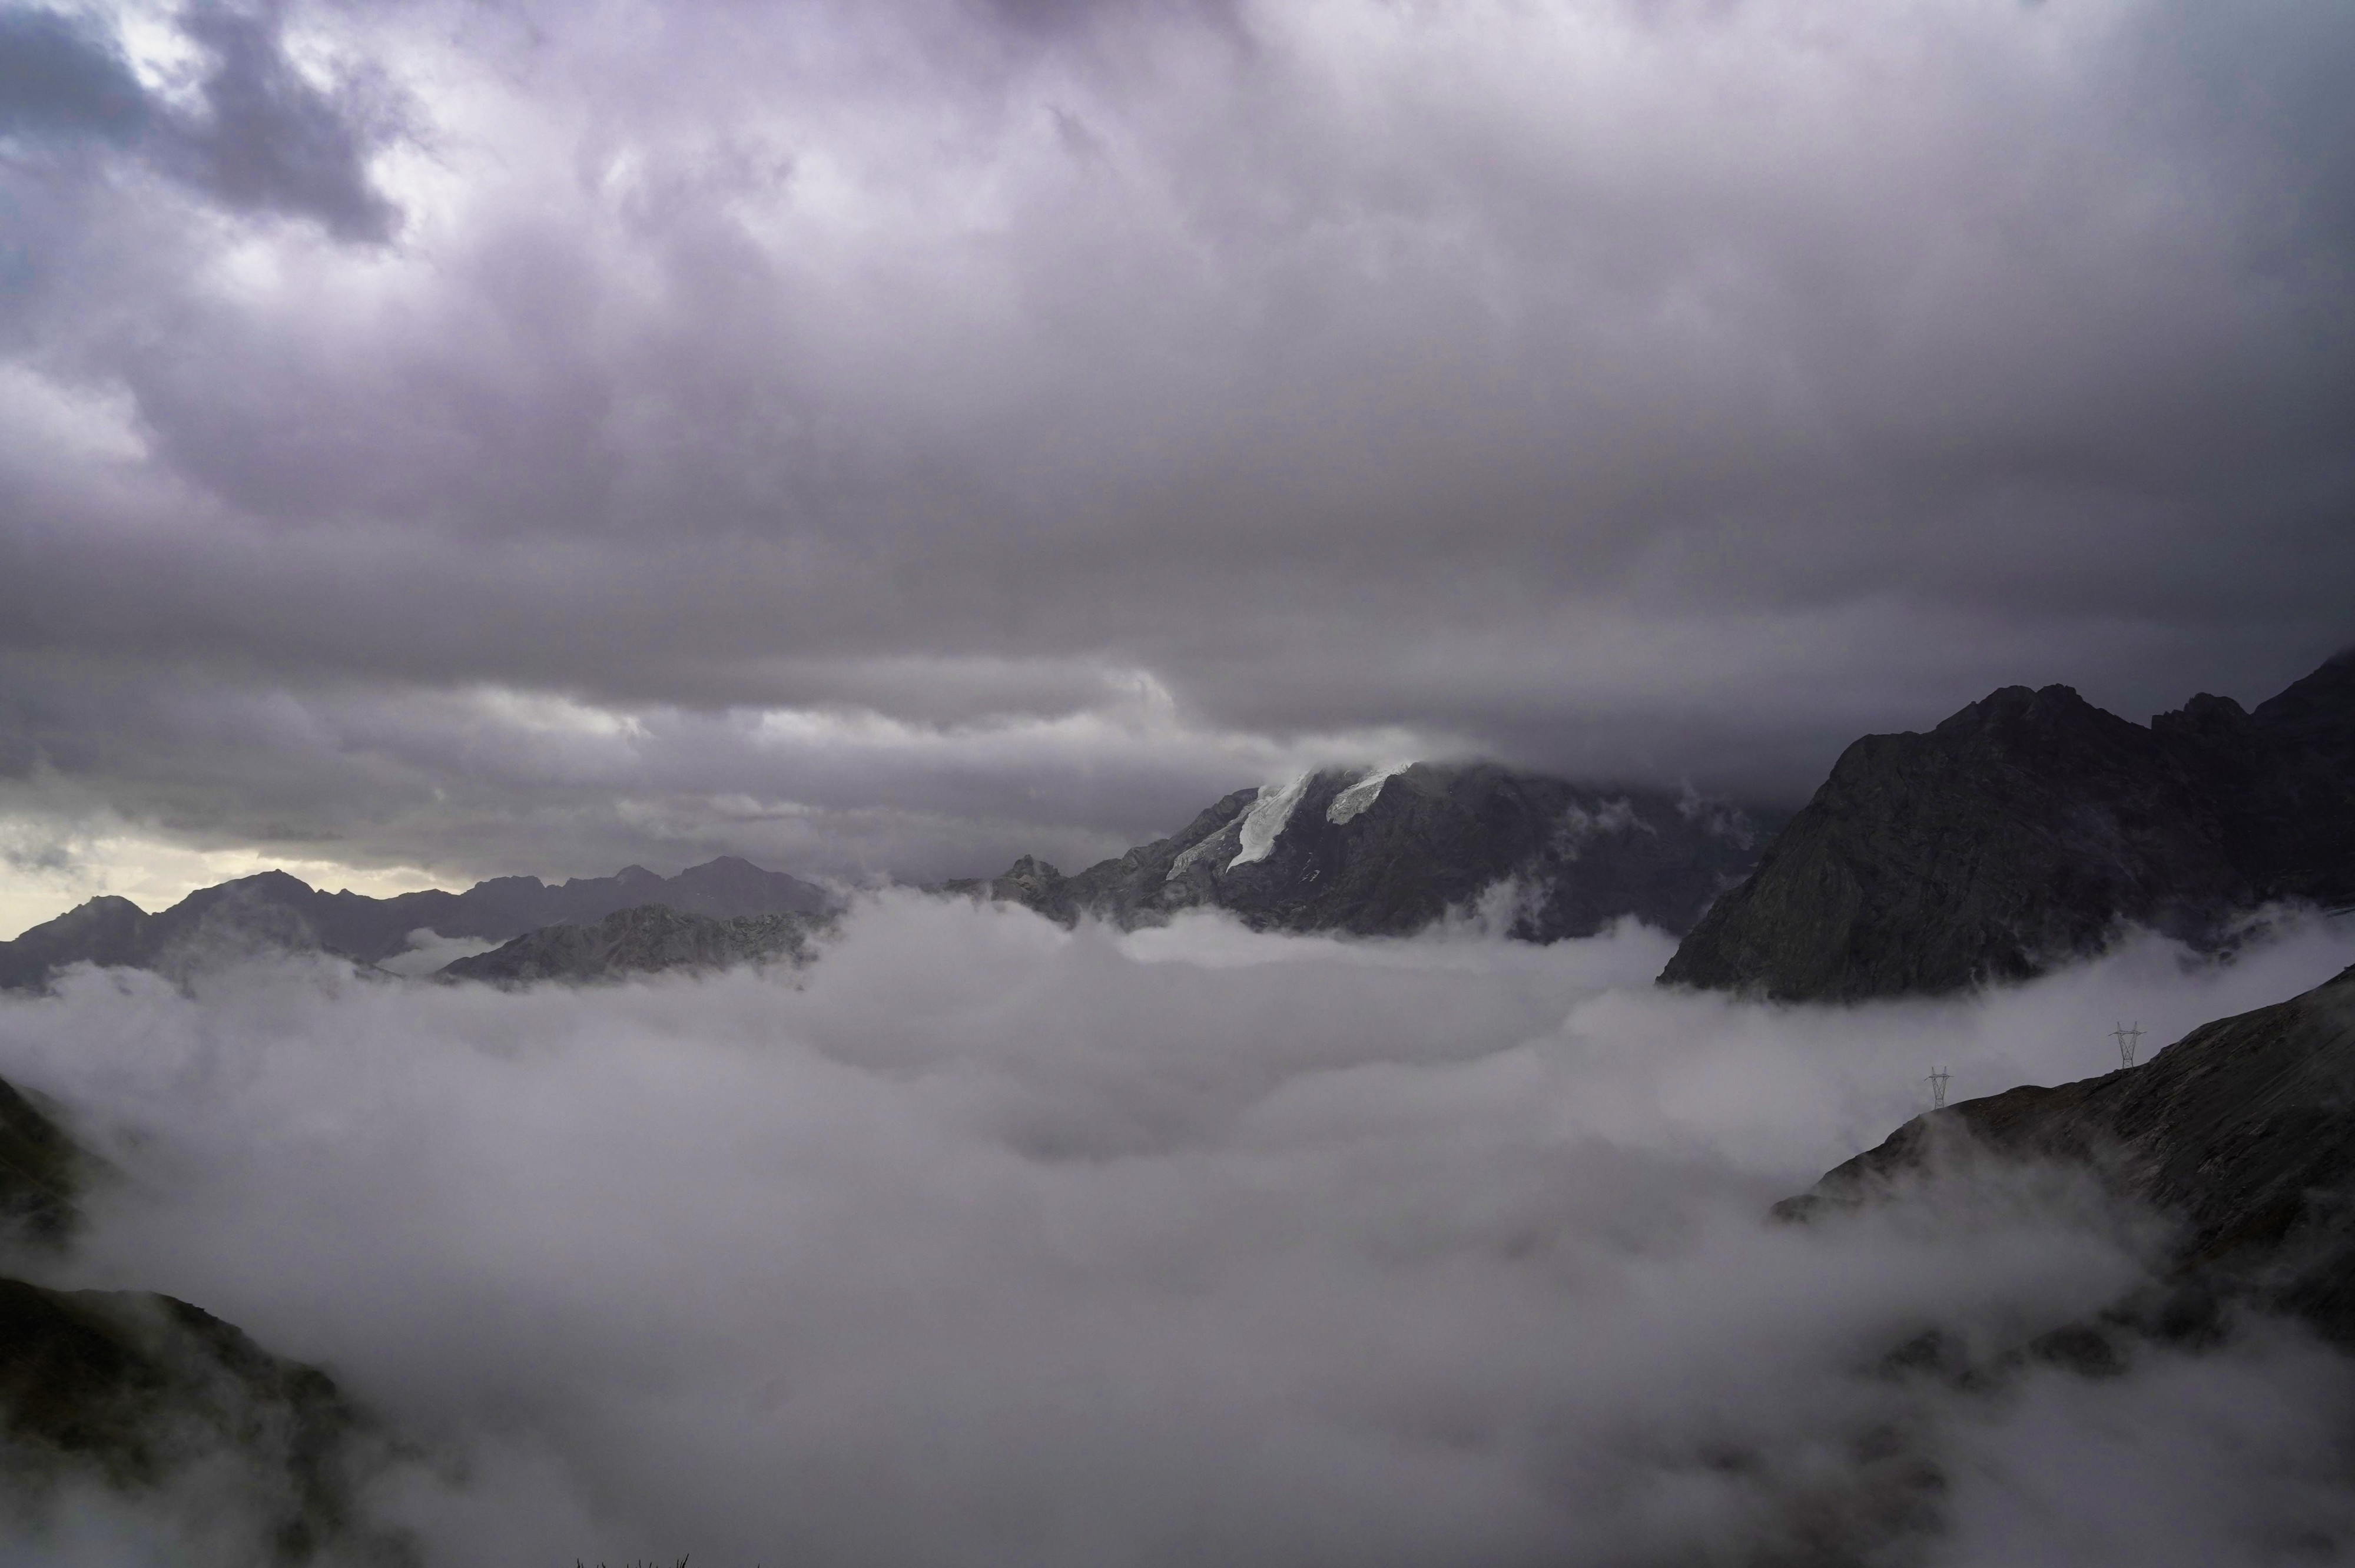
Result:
x=446 y=439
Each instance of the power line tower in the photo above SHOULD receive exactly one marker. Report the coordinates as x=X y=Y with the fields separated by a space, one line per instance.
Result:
x=2127 y=1038
x=1937 y=1081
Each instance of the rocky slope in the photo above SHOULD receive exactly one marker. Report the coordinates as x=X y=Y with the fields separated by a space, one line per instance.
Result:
x=641 y=941
x=2023 y=830
x=1385 y=854
x=42 y=1172
x=138 y=1390
x=2243 y=1131
x=273 y=910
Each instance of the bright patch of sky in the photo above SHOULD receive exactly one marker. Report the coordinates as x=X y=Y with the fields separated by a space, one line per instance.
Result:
x=545 y=713
x=63 y=422
x=48 y=874
x=167 y=61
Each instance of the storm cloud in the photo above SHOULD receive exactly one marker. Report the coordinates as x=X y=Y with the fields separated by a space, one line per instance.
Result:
x=437 y=436
x=259 y=136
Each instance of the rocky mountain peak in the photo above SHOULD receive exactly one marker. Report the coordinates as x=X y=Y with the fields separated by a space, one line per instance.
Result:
x=1388 y=850
x=2026 y=828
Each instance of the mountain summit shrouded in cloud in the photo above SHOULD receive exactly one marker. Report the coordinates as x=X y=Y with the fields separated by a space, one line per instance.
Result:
x=444 y=440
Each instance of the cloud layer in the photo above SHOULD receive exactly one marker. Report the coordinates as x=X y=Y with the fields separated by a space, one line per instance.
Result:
x=995 y=1243
x=1639 y=386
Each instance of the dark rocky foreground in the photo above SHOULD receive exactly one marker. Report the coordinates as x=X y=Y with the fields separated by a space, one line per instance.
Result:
x=42 y=1172
x=2243 y=1131
x=642 y=941
x=1387 y=856
x=274 y=910
x=136 y=1390
x=2025 y=829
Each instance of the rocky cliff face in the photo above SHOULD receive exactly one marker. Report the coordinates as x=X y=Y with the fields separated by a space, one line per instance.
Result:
x=273 y=910
x=2023 y=830
x=1386 y=853
x=643 y=941
x=2243 y=1131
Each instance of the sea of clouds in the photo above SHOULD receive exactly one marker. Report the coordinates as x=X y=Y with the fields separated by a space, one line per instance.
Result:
x=984 y=1244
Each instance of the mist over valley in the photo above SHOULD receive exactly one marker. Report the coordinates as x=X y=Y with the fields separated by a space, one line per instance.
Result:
x=1103 y=784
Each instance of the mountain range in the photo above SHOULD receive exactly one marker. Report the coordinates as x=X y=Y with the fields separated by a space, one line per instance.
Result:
x=275 y=910
x=1379 y=853
x=2026 y=830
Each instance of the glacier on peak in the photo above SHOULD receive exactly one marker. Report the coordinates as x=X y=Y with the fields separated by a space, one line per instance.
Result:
x=1357 y=797
x=1216 y=841
x=1265 y=821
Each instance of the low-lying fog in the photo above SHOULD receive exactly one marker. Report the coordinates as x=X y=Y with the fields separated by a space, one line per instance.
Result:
x=983 y=1243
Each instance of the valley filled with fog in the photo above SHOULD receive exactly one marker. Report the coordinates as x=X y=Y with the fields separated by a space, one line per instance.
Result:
x=980 y=1241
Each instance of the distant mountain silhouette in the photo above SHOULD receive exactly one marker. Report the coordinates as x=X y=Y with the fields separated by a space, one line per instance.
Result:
x=1387 y=853
x=2025 y=829
x=274 y=910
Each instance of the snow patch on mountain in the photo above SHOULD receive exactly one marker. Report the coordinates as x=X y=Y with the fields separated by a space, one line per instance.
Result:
x=1361 y=794
x=1222 y=839
x=1265 y=821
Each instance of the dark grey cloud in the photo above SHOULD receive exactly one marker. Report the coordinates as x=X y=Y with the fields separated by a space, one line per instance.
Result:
x=260 y=138
x=62 y=77
x=268 y=141
x=1672 y=390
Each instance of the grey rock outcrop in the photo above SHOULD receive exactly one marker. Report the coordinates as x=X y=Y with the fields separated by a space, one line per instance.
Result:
x=2024 y=830
x=643 y=941
x=273 y=910
x=2243 y=1131
x=1387 y=854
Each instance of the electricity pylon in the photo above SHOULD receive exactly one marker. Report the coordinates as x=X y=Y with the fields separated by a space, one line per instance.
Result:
x=1938 y=1076
x=2127 y=1040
